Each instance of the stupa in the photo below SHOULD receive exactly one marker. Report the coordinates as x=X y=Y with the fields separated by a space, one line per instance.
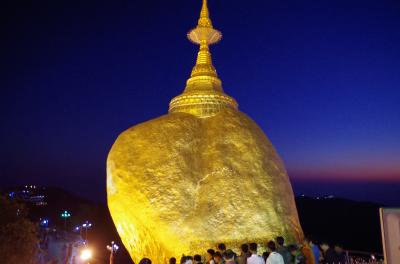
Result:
x=202 y=174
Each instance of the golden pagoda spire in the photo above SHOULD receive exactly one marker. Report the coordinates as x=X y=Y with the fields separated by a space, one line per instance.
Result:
x=203 y=95
x=204 y=20
x=204 y=31
x=204 y=34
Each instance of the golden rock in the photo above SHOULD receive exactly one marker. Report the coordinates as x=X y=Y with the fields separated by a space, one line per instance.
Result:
x=204 y=173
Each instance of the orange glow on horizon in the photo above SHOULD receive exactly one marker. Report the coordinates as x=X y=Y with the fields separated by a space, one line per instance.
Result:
x=346 y=173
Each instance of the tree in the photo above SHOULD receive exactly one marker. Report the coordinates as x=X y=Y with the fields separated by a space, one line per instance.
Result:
x=18 y=235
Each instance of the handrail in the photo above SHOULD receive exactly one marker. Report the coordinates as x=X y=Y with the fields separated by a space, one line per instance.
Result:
x=364 y=253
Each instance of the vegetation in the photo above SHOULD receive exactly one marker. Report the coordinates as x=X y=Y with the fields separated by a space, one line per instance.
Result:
x=18 y=235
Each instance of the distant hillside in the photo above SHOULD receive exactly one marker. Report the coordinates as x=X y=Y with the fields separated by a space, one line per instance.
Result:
x=101 y=233
x=355 y=225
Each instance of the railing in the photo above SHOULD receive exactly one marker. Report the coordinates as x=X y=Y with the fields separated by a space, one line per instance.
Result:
x=362 y=257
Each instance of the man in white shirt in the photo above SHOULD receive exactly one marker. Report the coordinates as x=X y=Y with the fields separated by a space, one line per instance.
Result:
x=254 y=258
x=274 y=257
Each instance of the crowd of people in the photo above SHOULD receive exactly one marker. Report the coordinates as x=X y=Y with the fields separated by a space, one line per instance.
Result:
x=277 y=252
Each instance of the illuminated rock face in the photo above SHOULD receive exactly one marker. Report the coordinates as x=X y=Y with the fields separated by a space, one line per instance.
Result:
x=203 y=174
x=181 y=184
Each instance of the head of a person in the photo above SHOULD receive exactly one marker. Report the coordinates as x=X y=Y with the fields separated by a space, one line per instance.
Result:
x=292 y=249
x=253 y=248
x=265 y=255
x=221 y=247
x=324 y=246
x=218 y=257
x=183 y=259
x=271 y=245
x=244 y=248
x=280 y=240
x=338 y=248
x=229 y=255
x=210 y=254
x=189 y=260
x=172 y=261
x=197 y=258
x=309 y=240
x=145 y=261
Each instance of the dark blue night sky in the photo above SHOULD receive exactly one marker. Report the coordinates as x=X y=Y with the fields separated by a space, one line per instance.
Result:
x=322 y=79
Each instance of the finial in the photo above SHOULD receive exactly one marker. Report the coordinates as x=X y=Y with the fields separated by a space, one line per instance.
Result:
x=204 y=30
x=204 y=34
x=204 y=20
